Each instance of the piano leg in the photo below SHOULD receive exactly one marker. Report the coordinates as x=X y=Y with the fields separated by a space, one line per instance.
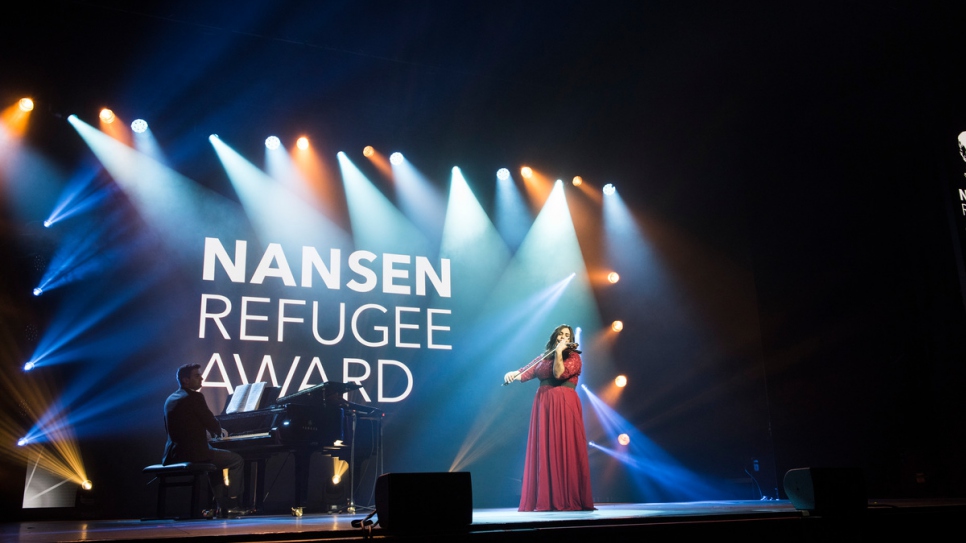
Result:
x=352 y=467
x=254 y=483
x=258 y=489
x=302 y=457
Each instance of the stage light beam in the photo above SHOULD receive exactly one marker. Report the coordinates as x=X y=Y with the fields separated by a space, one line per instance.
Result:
x=368 y=151
x=107 y=116
x=609 y=189
x=617 y=326
x=620 y=381
x=396 y=158
x=526 y=172
x=613 y=277
x=578 y=181
x=339 y=467
x=302 y=143
x=26 y=104
x=655 y=472
x=376 y=222
x=139 y=126
x=503 y=174
x=272 y=142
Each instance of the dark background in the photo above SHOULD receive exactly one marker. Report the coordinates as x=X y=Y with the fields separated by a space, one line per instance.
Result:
x=811 y=147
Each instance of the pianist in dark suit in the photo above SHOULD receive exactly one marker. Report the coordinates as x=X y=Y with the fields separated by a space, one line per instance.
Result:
x=187 y=419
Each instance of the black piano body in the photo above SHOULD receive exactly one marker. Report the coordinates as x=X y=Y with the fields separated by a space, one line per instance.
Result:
x=316 y=419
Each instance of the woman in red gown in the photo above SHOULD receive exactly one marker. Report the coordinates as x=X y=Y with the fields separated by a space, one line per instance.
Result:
x=556 y=475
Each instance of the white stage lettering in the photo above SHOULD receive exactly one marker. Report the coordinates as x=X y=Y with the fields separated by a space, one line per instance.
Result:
x=255 y=320
x=399 y=276
x=354 y=370
x=261 y=315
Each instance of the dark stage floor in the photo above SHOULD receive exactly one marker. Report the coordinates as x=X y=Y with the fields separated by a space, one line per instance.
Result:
x=611 y=522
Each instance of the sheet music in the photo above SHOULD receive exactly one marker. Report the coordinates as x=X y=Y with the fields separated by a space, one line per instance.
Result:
x=254 y=396
x=246 y=398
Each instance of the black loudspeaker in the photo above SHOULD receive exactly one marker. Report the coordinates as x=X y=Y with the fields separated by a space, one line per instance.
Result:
x=827 y=491
x=424 y=501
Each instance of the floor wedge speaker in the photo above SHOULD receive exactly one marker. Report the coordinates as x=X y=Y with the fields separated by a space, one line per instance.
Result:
x=827 y=491
x=424 y=501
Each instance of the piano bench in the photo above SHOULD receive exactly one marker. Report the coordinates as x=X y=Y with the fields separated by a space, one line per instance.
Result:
x=183 y=474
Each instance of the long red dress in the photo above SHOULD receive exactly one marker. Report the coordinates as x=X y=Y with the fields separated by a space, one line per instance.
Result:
x=556 y=474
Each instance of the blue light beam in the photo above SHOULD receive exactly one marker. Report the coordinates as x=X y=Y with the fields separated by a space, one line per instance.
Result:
x=277 y=213
x=470 y=240
x=658 y=476
x=419 y=200
x=376 y=223
x=180 y=210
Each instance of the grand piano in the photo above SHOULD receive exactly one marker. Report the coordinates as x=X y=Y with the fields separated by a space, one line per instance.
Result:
x=316 y=419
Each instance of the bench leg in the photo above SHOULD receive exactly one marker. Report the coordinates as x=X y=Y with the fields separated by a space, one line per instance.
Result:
x=199 y=494
x=162 y=495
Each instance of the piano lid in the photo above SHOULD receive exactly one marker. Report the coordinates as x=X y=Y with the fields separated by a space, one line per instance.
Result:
x=319 y=394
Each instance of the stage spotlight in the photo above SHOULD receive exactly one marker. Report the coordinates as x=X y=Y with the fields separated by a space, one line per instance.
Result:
x=396 y=158
x=503 y=174
x=22 y=442
x=47 y=223
x=609 y=189
x=617 y=326
x=578 y=181
x=26 y=104
x=272 y=142
x=624 y=439
x=526 y=172
x=139 y=126
x=339 y=467
x=29 y=366
x=107 y=116
x=620 y=381
x=38 y=291
x=368 y=151
x=87 y=484
x=302 y=143
x=613 y=277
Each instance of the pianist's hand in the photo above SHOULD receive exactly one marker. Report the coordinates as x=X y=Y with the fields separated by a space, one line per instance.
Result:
x=224 y=433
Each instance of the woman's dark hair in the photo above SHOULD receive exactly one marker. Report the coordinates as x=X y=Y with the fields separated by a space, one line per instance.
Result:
x=552 y=342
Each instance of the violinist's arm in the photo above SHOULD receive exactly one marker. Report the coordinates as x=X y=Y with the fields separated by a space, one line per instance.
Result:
x=558 y=364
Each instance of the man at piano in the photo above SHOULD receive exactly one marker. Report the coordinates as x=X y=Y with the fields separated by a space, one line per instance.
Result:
x=188 y=422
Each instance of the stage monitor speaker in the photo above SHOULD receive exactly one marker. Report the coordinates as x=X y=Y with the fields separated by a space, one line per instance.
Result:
x=424 y=501
x=827 y=491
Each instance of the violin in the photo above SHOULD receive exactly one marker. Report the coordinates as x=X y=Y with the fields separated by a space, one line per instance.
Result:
x=570 y=347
